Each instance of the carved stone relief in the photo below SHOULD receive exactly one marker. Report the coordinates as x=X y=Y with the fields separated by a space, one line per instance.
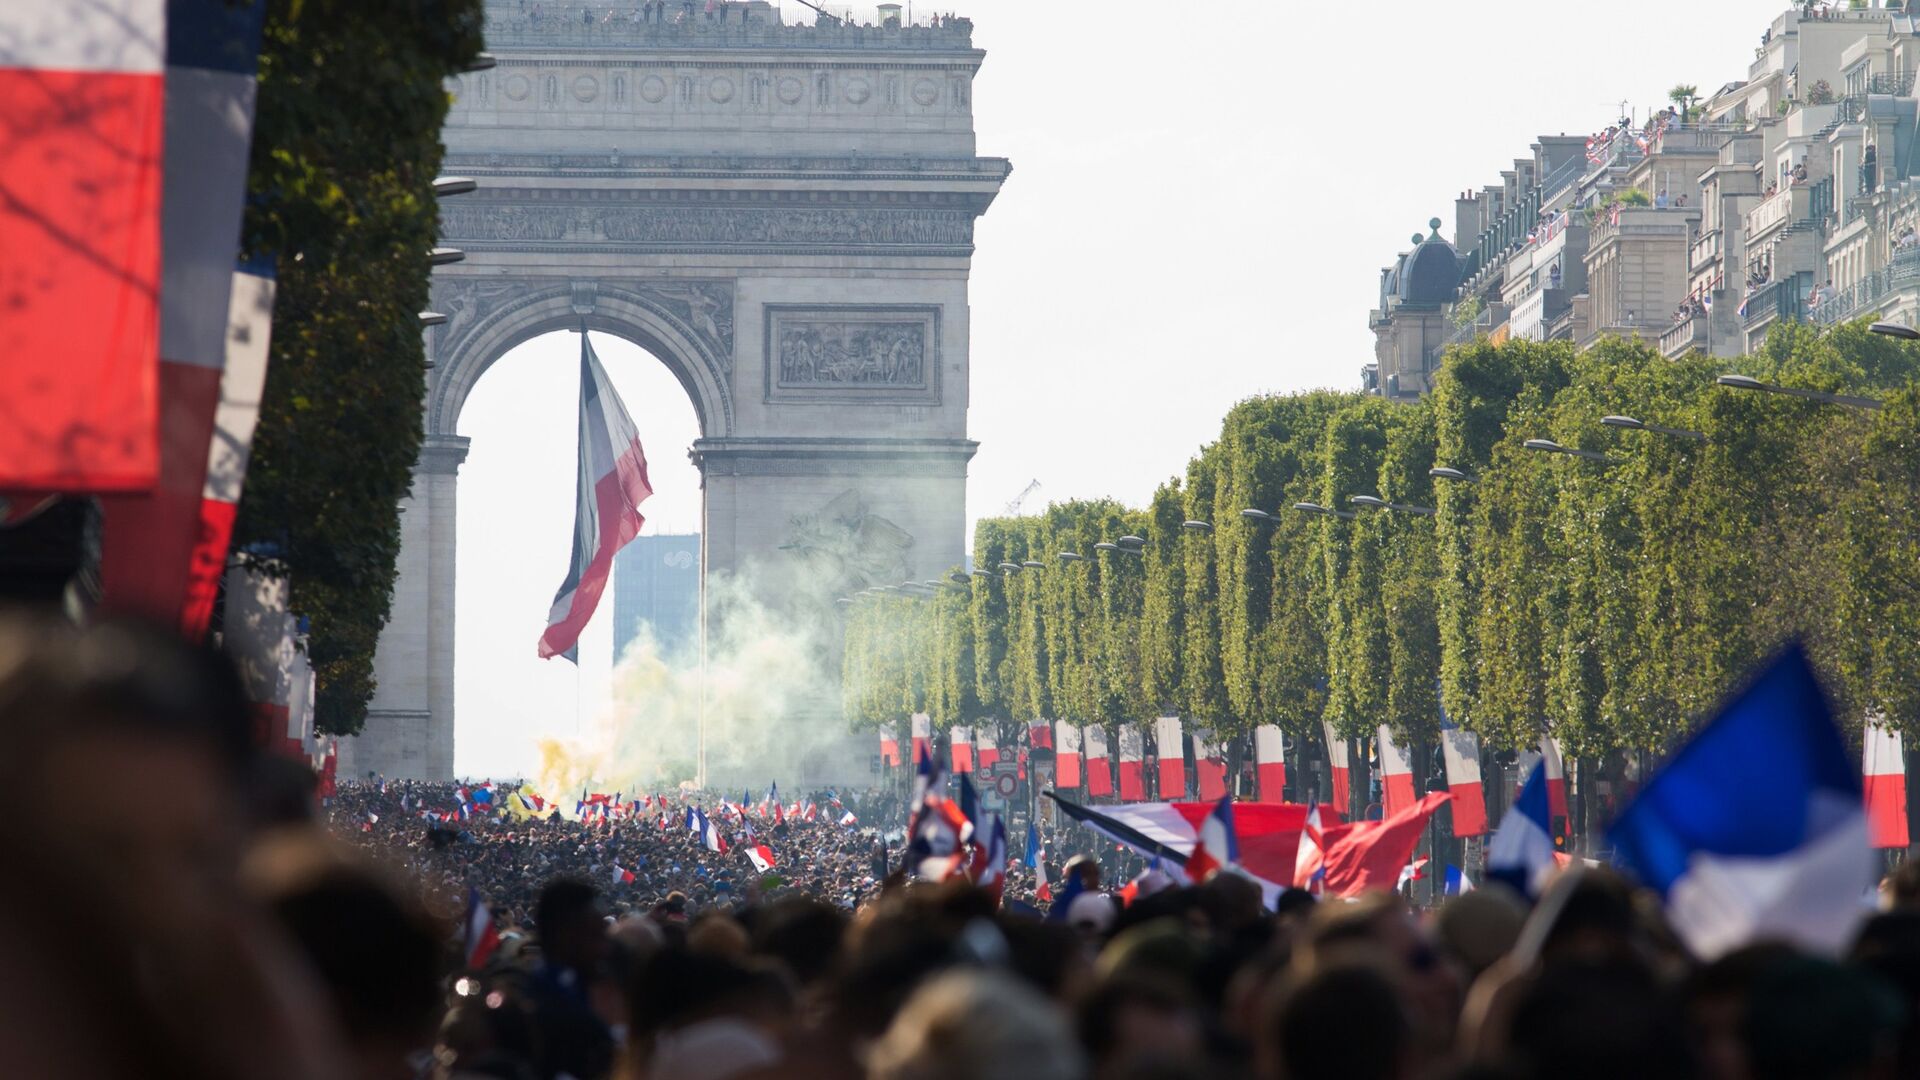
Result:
x=586 y=88
x=925 y=92
x=720 y=89
x=858 y=90
x=848 y=546
x=710 y=225
x=653 y=89
x=516 y=87
x=886 y=352
x=790 y=90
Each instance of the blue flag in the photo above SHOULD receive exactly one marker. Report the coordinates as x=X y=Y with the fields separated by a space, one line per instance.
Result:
x=1521 y=851
x=1756 y=829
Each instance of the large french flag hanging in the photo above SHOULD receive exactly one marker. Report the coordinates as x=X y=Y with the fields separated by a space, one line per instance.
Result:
x=83 y=91
x=985 y=750
x=210 y=318
x=1209 y=766
x=889 y=746
x=961 y=742
x=1066 y=756
x=612 y=484
x=922 y=737
x=1169 y=743
x=1099 y=768
x=1755 y=829
x=1885 y=768
x=1461 y=749
x=1133 y=786
x=1270 y=761
x=1396 y=774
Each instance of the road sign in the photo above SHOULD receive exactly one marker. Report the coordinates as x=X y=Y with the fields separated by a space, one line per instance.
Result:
x=1005 y=783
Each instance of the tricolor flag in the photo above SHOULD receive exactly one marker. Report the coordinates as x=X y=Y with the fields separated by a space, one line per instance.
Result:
x=1521 y=851
x=1885 y=769
x=761 y=856
x=1215 y=847
x=937 y=830
x=1412 y=872
x=1308 y=873
x=889 y=746
x=610 y=486
x=986 y=750
x=1040 y=735
x=812 y=812
x=1756 y=830
x=922 y=735
x=621 y=876
x=213 y=329
x=1396 y=774
x=480 y=937
x=1548 y=754
x=993 y=869
x=710 y=835
x=1169 y=744
x=1340 y=760
x=1099 y=769
x=1461 y=749
x=1133 y=786
x=84 y=92
x=1270 y=762
x=849 y=820
x=1457 y=881
x=1209 y=766
x=1036 y=860
x=961 y=742
x=1066 y=756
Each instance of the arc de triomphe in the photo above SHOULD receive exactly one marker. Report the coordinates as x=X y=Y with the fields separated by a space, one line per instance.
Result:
x=783 y=215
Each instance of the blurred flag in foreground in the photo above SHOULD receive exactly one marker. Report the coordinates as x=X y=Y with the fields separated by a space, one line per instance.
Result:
x=1521 y=852
x=1756 y=828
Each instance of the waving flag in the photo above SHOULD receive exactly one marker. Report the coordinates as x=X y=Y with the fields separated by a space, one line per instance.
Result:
x=1396 y=774
x=889 y=746
x=1171 y=745
x=611 y=485
x=1371 y=854
x=1036 y=860
x=1457 y=881
x=710 y=835
x=621 y=876
x=1215 y=847
x=1461 y=749
x=937 y=832
x=480 y=937
x=1099 y=768
x=960 y=740
x=1270 y=762
x=1521 y=852
x=84 y=94
x=1756 y=828
x=1066 y=756
x=849 y=820
x=1133 y=784
x=1308 y=869
x=993 y=869
x=761 y=856
x=1885 y=768
x=1340 y=760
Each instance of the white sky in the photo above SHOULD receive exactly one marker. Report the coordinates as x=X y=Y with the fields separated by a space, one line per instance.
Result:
x=1202 y=197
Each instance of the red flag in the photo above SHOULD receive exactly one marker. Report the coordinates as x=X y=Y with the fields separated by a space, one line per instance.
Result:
x=1171 y=746
x=1339 y=755
x=1040 y=735
x=1210 y=768
x=612 y=483
x=1066 y=775
x=1133 y=785
x=1270 y=762
x=1099 y=768
x=1371 y=854
x=83 y=89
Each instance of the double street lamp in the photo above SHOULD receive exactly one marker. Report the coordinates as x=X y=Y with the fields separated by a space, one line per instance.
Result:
x=1548 y=446
x=1374 y=502
x=1746 y=382
x=1316 y=508
x=1632 y=424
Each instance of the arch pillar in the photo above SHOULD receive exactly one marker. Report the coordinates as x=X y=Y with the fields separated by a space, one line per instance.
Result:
x=409 y=729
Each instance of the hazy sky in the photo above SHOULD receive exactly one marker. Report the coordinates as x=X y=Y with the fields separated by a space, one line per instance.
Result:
x=1202 y=197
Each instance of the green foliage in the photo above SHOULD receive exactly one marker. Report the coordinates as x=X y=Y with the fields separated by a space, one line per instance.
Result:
x=348 y=218
x=1611 y=604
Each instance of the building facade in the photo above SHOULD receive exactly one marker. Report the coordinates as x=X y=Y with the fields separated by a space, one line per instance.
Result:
x=656 y=590
x=1789 y=194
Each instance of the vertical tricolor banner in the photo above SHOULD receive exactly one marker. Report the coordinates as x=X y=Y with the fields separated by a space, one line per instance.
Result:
x=1340 y=760
x=150 y=542
x=1040 y=734
x=1209 y=766
x=609 y=488
x=986 y=750
x=83 y=91
x=1132 y=764
x=1885 y=767
x=1556 y=781
x=1462 y=752
x=889 y=746
x=1270 y=762
x=1171 y=747
x=1396 y=774
x=1066 y=756
x=922 y=736
x=1099 y=768
x=961 y=743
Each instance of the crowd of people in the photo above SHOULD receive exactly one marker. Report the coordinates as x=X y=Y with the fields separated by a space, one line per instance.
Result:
x=182 y=905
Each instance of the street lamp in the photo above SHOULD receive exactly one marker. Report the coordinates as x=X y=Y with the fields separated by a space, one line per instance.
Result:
x=1071 y=557
x=1746 y=382
x=961 y=577
x=454 y=185
x=1257 y=515
x=1895 y=330
x=1009 y=567
x=1033 y=564
x=1316 y=508
x=1196 y=526
x=983 y=573
x=1548 y=446
x=1447 y=472
x=1374 y=502
x=441 y=256
x=1132 y=541
x=481 y=62
x=1632 y=424
x=431 y=318
x=1106 y=547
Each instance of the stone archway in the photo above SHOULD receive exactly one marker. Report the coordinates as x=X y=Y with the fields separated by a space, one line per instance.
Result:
x=792 y=240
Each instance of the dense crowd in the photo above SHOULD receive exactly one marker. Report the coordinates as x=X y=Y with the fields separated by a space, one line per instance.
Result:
x=181 y=906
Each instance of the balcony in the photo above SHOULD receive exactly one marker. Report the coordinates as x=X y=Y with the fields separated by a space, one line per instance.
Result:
x=1785 y=206
x=1774 y=300
x=1684 y=337
x=1866 y=295
x=1897 y=83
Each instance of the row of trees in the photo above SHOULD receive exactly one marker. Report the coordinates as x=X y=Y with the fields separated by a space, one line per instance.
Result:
x=345 y=150
x=1610 y=603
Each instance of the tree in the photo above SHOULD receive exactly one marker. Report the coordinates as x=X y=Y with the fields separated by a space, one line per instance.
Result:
x=348 y=220
x=1683 y=95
